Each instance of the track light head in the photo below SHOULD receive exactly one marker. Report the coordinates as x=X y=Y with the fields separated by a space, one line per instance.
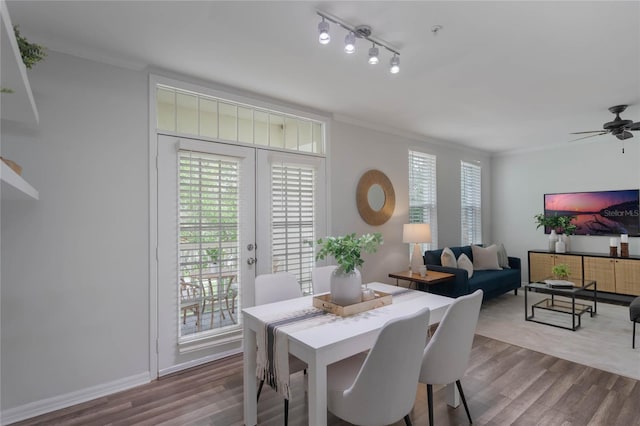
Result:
x=323 y=30
x=373 y=55
x=395 y=64
x=350 y=43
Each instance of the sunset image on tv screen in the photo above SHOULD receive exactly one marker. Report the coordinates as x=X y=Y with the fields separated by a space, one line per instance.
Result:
x=598 y=213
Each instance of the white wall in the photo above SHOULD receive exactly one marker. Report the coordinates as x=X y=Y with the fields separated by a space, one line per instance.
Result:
x=75 y=276
x=75 y=281
x=355 y=149
x=521 y=180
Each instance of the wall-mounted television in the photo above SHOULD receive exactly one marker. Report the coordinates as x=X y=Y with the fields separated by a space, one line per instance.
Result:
x=599 y=212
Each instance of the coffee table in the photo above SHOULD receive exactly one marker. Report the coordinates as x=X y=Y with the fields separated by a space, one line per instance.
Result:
x=563 y=306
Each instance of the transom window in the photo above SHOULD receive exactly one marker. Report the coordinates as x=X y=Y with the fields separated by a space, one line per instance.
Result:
x=184 y=112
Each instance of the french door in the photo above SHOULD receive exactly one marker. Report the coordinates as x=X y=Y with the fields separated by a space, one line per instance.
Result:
x=206 y=240
x=208 y=226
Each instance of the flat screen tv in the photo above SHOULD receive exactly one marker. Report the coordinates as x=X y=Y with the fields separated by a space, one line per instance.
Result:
x=599 y=212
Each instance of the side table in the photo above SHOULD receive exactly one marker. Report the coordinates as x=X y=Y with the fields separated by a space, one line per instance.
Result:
x=432 y=277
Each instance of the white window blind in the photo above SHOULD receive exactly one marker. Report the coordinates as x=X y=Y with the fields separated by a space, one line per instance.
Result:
x=471 y=202
x=293 y=220
x=422 y=193
x=208 y=220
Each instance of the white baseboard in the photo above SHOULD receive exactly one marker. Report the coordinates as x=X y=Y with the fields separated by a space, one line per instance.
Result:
x=37 y=408
x=199 y=361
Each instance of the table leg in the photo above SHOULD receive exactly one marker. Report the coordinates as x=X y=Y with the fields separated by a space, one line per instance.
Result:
x=526 y=290
x=595 y=297
x=573 y=311
x=452 y=395
x=317 y=393
x=249 y=380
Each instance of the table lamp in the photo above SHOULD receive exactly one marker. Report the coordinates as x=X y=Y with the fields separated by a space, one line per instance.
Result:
x=416 y=233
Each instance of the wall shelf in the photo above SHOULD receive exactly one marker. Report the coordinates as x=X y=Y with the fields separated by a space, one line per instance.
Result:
x=19 y=105
x=14 y=187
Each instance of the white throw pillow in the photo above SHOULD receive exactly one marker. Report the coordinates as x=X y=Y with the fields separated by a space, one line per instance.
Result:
x=447 y=258
x=465 y=263
x=503 y=258
x=485 y=258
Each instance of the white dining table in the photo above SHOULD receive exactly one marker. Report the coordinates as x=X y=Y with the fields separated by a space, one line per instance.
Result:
x=329 y=342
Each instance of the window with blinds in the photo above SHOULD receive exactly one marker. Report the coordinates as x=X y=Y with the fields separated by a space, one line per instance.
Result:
x=293 y=220
x=208 y=227
x=471 y=202
x=422 y=193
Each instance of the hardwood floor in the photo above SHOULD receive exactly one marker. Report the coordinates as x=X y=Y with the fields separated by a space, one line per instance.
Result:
x=504 y=385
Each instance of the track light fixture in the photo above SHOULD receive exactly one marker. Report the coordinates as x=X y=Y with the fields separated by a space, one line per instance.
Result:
x=323 y=30
x=359 y=31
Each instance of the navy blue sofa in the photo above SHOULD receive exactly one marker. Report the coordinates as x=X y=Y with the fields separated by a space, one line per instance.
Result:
x=493 y=283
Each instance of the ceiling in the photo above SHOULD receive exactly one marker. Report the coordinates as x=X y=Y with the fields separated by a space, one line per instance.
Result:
x=499 y=76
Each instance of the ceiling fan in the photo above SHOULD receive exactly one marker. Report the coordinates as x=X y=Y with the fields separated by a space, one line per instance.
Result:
x=618 y=127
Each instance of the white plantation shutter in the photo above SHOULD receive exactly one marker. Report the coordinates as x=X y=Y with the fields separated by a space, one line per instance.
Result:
x=293 y=220
x=471 y=202
x=209 y=206
x=422 y=193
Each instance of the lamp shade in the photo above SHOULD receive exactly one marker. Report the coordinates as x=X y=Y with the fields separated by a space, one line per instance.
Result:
x=416 y=233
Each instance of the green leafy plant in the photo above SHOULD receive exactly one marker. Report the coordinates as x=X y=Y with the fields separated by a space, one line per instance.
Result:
x=5 y=90
x=31 y=53
x=559 y=223
x=214 y=254
x=565 y=225
x=561 y=270
x=347 y=249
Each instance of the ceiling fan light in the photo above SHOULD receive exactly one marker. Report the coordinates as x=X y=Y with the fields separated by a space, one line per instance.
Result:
x=395 y=64
x=373 y=56
x=350 y=43
x=323 y=30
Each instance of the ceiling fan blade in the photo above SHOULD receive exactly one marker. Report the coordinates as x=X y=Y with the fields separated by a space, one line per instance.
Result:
x=590 y=136
x=624 y=135
x=634 y=126
x=590 y=131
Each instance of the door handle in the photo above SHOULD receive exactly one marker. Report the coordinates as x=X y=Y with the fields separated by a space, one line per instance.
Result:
x=251 y=261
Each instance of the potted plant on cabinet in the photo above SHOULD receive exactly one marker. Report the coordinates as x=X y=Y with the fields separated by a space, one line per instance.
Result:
x=559 y=225
x=561 y=271
x=347 y=250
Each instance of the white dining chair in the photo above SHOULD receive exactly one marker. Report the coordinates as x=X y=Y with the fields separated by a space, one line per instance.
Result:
x=276 y=287
x=446 y=355
x=321 y=278
x=379 y=387
x=271 y=288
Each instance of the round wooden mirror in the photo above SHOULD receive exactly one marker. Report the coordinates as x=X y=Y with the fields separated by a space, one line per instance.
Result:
x=375 y=197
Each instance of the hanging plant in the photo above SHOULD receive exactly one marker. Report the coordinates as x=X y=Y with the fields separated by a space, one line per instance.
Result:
x=31 y=53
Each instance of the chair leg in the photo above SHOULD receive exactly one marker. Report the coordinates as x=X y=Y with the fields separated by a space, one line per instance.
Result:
x=430 y=403
x=286 y=412
x=464 y=401
x=407 y=420
x=633 y=342
x=259 y=390
x=515 y=292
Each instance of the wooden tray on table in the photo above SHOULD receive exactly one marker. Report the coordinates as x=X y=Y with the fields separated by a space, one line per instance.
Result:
x=323 y=301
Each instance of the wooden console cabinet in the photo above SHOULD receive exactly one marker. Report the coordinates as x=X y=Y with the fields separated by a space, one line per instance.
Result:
x=540 y=264
x=613 y=274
